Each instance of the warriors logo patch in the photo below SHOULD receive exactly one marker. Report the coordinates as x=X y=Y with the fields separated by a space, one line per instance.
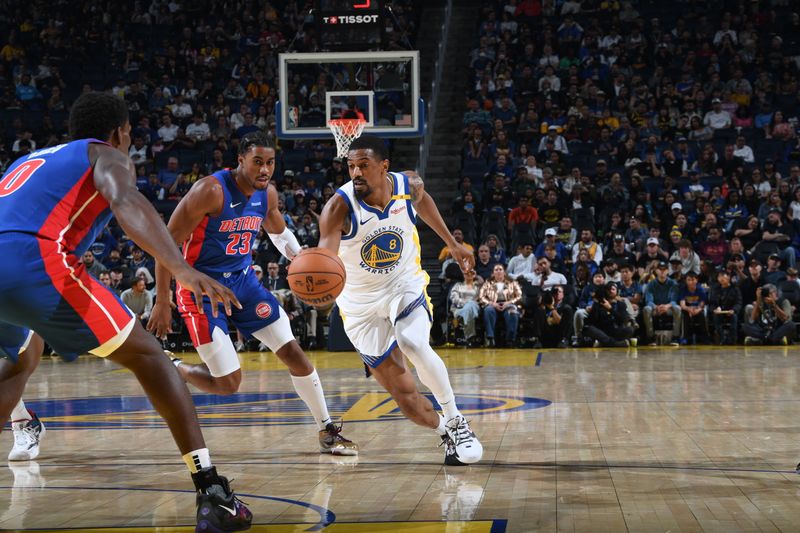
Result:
x=381 y=253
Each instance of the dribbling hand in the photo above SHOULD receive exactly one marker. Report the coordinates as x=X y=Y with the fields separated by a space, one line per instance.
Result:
x=160 y=322
x=200 y=284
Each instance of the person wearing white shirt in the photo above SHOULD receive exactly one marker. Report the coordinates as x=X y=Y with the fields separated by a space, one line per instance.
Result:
x=180 y=108
x=717 y=118
x=198 y=130
x=559 y=143
x=544 y=277
x=168 y=131
x=743 y=151
x=522 y=263
x=533 y=170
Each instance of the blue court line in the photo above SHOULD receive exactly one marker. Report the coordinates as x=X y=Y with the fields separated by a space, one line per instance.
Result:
x=327 y=517
x=543 y=465
x=539 y=359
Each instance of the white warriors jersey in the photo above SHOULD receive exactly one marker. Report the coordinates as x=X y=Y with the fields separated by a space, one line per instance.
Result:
x=382 y=251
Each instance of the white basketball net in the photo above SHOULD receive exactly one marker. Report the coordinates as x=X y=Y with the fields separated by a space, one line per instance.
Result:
x=344 y=131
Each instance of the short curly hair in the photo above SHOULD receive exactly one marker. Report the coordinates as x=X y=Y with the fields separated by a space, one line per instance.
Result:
x=254 y=138
x=95 y=115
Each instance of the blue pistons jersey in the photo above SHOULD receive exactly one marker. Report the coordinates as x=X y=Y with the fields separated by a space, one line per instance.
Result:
x=223 y=243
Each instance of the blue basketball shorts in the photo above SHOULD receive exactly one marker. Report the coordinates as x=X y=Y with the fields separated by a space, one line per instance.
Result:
x=259 y=307
x=45 y=288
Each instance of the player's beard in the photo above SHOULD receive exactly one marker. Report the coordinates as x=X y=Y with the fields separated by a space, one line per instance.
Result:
x=363 y=194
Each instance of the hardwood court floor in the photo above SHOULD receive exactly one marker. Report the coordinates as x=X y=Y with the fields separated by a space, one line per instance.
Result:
x=702 y=439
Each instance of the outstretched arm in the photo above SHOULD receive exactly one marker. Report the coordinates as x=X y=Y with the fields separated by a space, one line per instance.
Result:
x=115 y=180
x=275 y=226
x=429 y=213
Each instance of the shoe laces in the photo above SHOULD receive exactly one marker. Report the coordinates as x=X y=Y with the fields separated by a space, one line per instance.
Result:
x=462 y=431
x=25 y=435
x=335 y=431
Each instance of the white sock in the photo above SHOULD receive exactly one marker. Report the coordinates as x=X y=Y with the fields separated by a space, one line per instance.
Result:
x=20 y=413
x=412 y=338
x=441 y=430
x=450 y=410
x=310 y=391
x=197 y=459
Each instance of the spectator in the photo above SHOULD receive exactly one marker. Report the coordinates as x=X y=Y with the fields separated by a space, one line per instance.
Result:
x=689 y=260
x=605 y=323
x=585 y=303
x=725 y=302
x=167 y=176
x=661 y=297
x=774 y=274
x=769 y=322
x=458 y=236
x=139 y=300
x=553 y=319
x=594 y=250
x=168 y=131
x=198 y=129
x=500 y=294
x=715 y=248
x=717 y=118
x=553 y=141
x=522 y=264
x=484 y=266
x=777 y=237
x=743 y=150
x=464 y=306
x=544 y=277
x=92 y=266
x=496 y=250
x=693 y=300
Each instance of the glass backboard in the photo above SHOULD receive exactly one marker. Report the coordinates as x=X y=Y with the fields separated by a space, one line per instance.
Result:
x=380 y=87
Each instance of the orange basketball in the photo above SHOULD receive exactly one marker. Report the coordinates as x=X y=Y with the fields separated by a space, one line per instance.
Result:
x=316 y=276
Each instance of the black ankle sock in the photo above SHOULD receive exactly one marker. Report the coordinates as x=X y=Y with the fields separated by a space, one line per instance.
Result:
x=205 y=477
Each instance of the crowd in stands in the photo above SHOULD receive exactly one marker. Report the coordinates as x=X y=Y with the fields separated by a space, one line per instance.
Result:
x=630 y=169
x=197 y=76
x=644 y=153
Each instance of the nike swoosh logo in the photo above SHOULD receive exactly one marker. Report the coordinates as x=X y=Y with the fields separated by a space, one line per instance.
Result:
x=232 y=511
x=234 y=205
x=365 y=221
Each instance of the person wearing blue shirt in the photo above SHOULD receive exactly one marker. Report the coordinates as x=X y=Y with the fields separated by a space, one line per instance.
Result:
x=693 y=301
x=661 y=298
x=585 y=302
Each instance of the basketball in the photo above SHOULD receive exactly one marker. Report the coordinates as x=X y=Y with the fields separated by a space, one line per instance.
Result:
x=316 y=276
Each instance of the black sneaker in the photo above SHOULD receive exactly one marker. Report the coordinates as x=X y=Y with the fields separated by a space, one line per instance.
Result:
x=218 y=508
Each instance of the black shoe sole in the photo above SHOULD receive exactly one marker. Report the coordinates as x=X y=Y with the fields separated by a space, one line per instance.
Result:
x=452 y=460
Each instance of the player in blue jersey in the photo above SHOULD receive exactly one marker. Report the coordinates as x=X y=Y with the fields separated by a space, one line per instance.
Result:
x=53 y=204
x=217 y=221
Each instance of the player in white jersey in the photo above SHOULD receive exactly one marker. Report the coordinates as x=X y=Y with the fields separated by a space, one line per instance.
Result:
x=370 y=223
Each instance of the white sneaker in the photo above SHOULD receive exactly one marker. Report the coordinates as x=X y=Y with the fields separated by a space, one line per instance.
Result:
x=239 y=346
x=27 y=436
x=262 y=347
x=467 y=447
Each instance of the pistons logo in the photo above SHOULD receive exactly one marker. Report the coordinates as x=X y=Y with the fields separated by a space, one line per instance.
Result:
x=263 y=310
